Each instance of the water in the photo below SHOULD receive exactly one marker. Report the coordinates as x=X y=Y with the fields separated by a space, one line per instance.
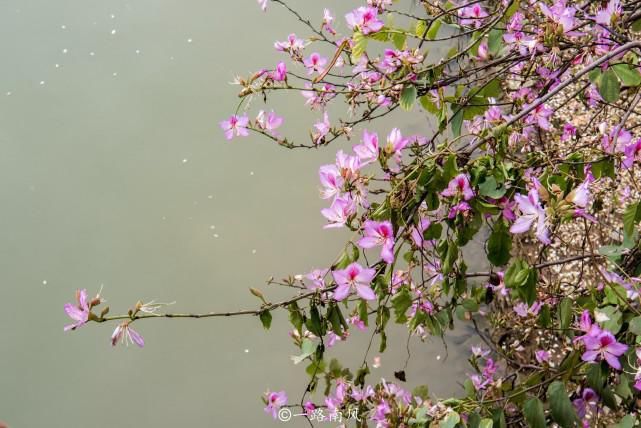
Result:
x=114 y=173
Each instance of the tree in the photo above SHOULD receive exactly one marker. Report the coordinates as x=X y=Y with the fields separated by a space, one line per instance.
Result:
x=536 y=142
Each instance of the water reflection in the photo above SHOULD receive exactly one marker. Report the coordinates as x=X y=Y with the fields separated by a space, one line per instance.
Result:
x=114 y=173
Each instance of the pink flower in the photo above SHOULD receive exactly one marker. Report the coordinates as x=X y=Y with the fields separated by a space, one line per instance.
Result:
x=569 y=132
x=327 y=21
x=126 y=335
x=339 y=212
x=292 y=45
x=317 y=277
x=274 y=401
x=269 y=122
x=459 y=186
x=607 y=141
x=78 y=313
x=368 y=150
x=608 y=15
x=472 y=15
x=235 y=124
x=331 y=181
x=395 y=142
x=462 y=207
x=542 y=356
x=280 y=73
x=364 y=19
x=379 y=233
x=632 y=154
x=263 y=4
x=604 y=347
x=531 y=212
x=322 y=128
x=540 y=116
x=559 y=14
x=315 y=63
x=354 y=277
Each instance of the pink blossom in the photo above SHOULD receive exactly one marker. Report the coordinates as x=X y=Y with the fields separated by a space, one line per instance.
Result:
x=364 y=19
x=462 y=207
x=354 y=277
x=79 y=313
x=459 y=186
x=317 y=277
x=280 y=73
x=348 y=166
x=274 y=401
x=327 y=21
x=541 y=356
x=126 y=335
x=472 y=15
x=367 y=151
x=560 y=14
x=269 y=122
x=632 y=154
x=263 y=4
x=531 y=212
x=608 y=15
x=604 y=346
x=293 y=44
x=569 y=132
x=315 y=63
x=322 y=128
x=339 y=212
x=331 y=181
x=235 y=124
x=540 y=116
x=379 y=233
x=395 y=142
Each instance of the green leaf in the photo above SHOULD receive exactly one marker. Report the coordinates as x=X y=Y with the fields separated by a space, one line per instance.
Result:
x=486 y=423
x=634 y=326
x=628 y=76
x=489 y=188
x=499 y=244
x=495 y=41
x=636 y=25
x=456 y=122
x=560 y=405
x=517 y=274
x=612 y=316
x=401 y=303
x=627 y=421
x=433 y=31
x=630 y=216
x=266 y=319
x=399 y=40
x=314 y=323
x=565 y=313
x=451 y=420
x=359 y=45
x=307 y=349
x=420 y=28
x=609 y=86
x=534 y=414
x=408 y=97
x=295 y=316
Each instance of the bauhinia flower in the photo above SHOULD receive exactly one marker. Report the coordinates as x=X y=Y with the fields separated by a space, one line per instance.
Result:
x=315 y=63
x=608 y=15
x=364 y=19
x=354 y=278
x=331 y=180
x=263 y=5
x=560 y=14
x=367 y=151
x=235 y=124
x=379 y=233
x=604 y=346
x=126 y=335
x=274 y=401
x=280 y=73
x=268 y=122
x=459 y=186
x=339 y=212
x=79 y=312
x=531 y=213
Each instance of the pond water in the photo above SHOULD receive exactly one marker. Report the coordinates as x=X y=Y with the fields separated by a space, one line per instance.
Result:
x=114 y=174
